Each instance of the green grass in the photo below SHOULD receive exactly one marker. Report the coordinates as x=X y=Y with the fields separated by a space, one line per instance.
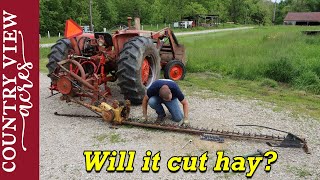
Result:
x=281 y=95
x=113 y=138
x=46 y=40
x=43 y=59
x=101 y=137
x=300 y=172
x=280 y=53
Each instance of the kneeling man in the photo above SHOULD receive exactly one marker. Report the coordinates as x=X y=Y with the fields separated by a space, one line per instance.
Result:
x=167 y=92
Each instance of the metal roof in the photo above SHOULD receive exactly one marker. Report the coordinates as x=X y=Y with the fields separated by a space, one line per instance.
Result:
x=303 y=16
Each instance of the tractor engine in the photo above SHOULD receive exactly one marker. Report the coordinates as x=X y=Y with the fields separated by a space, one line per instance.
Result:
x=90 y=48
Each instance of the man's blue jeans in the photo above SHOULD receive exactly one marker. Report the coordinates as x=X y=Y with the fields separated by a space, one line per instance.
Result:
x=155 y=102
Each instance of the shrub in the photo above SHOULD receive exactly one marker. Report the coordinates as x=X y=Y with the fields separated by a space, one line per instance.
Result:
x=269 y=83
x=313 y=40
x=280 y=70
x=309 y=81
x=242 y=72
x=316 y=68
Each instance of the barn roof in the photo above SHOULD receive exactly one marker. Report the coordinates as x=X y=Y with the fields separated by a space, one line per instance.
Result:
x=303 y=16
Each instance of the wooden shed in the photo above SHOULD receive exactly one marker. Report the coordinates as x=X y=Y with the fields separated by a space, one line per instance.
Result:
x=204 y=20
x=302 y=18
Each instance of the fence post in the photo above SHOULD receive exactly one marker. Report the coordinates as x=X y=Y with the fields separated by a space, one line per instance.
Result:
x=104 y=29
x=48 y=34
x=157 y=26
x=142 y=27
x=165 y=24
x=59 y=35
x=169 y=25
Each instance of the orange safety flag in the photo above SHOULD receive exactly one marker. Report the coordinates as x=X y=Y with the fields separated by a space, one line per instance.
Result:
x=72 y=29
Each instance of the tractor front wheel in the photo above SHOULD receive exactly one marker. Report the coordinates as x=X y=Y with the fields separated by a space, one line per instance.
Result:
x=174 y=70
x=138 y=68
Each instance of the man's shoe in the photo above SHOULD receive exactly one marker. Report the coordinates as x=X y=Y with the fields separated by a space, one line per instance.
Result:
x=160 y=118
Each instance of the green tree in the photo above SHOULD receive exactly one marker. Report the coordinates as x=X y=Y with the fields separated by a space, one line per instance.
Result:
x=109 y=13
x=218 y=7
x=237 y=11
x=51 y=17
x=194 y=8
x=157 y=15
x=260 y=12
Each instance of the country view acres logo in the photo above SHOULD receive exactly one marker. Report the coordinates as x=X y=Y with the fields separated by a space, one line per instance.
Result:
x=16 y=87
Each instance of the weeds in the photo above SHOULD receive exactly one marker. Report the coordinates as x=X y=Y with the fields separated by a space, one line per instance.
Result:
x=268 y=83
x=300 y=172
x=308 y=80
x=280 y=70
x=101 y=137
x=113 y=138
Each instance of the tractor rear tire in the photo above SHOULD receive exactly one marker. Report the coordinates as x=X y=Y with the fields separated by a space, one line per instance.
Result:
x=59 y=52
x=138 y=67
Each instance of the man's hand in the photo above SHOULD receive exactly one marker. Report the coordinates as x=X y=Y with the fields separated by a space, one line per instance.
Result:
x=185 y=111
x=186 y=122
x=144 y=107
x=144 y=117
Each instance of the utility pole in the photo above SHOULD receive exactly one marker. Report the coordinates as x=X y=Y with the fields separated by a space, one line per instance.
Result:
x=91 y=25
x=274 y=12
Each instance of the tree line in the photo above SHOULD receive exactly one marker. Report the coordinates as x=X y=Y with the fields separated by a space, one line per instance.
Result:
x=109 y=13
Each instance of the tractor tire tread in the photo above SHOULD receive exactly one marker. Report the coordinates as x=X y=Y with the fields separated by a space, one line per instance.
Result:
x=129 y=65
x=59 y=52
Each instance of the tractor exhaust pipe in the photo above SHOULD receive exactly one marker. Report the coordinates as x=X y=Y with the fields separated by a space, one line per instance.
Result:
x=129 y=22
x=137 y=23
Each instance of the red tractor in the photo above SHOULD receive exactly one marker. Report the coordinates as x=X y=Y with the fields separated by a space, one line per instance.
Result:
x=81 y=63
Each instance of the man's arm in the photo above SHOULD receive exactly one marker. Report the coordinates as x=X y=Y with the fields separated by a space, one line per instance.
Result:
x=185 y=105
x=145 y=106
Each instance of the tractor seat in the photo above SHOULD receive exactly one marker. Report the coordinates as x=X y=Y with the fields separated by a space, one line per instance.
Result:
x=107 y=37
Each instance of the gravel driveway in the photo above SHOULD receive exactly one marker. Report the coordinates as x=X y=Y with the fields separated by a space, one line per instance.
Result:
x=63 y=139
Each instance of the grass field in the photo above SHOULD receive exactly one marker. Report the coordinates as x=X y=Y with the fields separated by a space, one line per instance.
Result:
x=280 y=53
x=277 y=64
